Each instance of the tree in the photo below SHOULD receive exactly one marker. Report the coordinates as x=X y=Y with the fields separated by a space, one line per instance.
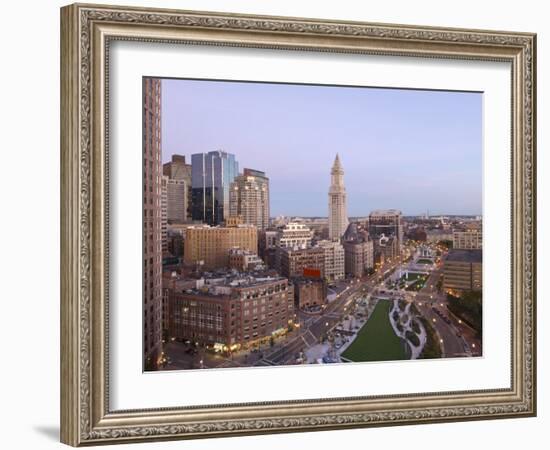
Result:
x=468 y=307
x=446 y=243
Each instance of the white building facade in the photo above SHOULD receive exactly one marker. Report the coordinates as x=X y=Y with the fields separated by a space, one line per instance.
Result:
x=335 y=260
x=295 y=235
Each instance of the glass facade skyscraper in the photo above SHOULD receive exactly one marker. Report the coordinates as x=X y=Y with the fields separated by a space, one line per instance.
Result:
x=211 y=176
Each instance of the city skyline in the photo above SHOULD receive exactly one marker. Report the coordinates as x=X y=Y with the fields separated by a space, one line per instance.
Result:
x=409 y=172
x=226 y=287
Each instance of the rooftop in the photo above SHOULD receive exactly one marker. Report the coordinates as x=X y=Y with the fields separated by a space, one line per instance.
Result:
x=355 y=233
x=218 y=227
x=234 y=278
x=471 y=256
x=385 y=212
x=223 y=284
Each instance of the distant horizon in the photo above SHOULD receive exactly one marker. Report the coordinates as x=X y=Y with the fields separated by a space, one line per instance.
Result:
x=404 y=149
x=366 y=215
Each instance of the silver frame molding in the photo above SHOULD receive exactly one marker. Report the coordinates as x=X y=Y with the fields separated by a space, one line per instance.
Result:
x=86 y=31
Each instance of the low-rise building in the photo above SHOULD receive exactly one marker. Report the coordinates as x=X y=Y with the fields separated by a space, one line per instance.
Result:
x=358 y=251
x=468 y=239
x=244 y=260
x=294 y=235
x=267 y=247
x=309 y=292
x=386 y=247
x=436 y=235
x=175 y=243
x=334 y=260
x=232 y=313
x=293 y=262
x=209 y=246
x=463 y=271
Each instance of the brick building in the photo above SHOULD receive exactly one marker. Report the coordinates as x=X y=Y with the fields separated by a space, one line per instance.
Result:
x=233 y=313
x=309 y=292
x=293 y=262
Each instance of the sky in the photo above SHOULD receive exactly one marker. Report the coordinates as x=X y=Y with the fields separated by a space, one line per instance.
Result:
x=412 y=150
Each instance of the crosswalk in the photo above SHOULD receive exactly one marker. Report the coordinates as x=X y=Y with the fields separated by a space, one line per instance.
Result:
x=332 y=315
x=265 y=362
x=309 y=338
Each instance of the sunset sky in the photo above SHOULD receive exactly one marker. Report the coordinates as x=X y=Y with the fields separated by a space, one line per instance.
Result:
x=411 y=150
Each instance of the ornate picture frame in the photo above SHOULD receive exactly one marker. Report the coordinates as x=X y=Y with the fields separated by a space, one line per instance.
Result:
x=86 y=34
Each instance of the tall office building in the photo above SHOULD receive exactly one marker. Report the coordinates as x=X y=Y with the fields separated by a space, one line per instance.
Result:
x=152 y=222
x=249 y=198
x=211 y=176
x=388 y=223
x=176 y=201
x=164 y=213
x=337 y=209
x=178 y=169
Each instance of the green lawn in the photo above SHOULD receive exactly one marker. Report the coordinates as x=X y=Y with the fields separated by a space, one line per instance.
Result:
x=376 y=340
x=419 y=281
x=416 y=286
x=413 y=276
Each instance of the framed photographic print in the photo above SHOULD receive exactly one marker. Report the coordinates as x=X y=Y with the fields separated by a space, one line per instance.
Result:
x=276 y=224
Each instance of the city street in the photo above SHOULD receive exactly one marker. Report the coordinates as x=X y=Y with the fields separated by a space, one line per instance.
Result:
x=456 y=338
x=317 y=327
